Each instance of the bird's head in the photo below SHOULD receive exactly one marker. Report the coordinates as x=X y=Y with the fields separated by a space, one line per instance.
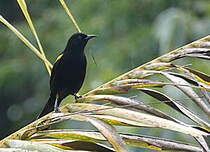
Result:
x=78 y=41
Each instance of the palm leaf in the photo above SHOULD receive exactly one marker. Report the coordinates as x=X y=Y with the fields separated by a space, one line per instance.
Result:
x=120 y=110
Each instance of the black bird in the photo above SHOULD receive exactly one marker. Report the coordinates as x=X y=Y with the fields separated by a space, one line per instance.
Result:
x=68 y=72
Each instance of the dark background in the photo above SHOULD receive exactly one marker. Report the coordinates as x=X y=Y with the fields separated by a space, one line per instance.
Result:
x=130 y=33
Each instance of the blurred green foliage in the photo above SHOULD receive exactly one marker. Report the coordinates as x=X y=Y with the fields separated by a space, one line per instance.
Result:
x=130 y=33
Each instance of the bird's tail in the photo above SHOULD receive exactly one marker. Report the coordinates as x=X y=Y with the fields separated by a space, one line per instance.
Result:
x=49 y=106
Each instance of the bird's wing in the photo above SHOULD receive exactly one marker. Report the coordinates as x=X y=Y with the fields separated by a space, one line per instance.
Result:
x=56 y=66
x=59 y=57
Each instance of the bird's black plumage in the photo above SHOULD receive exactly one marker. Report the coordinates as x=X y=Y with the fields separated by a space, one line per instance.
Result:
x=68 y=72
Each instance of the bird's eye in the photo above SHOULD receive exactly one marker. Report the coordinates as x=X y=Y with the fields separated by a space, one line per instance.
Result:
x=80 y=37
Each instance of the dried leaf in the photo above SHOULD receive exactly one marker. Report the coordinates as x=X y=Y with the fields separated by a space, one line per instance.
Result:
x=137 y=116
x=109 y=133
x=175 y=105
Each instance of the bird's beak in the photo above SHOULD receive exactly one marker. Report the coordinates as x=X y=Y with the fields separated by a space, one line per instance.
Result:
x=90 y=37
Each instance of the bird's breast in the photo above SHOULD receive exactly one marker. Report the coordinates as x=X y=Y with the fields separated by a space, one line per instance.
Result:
x=72 y=74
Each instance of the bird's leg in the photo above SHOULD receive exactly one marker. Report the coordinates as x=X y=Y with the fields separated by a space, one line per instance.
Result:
x=77 y=96
x=56 y=109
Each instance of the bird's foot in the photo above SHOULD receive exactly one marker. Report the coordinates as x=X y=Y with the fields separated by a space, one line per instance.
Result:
x=56 y=108
x=77 y=96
